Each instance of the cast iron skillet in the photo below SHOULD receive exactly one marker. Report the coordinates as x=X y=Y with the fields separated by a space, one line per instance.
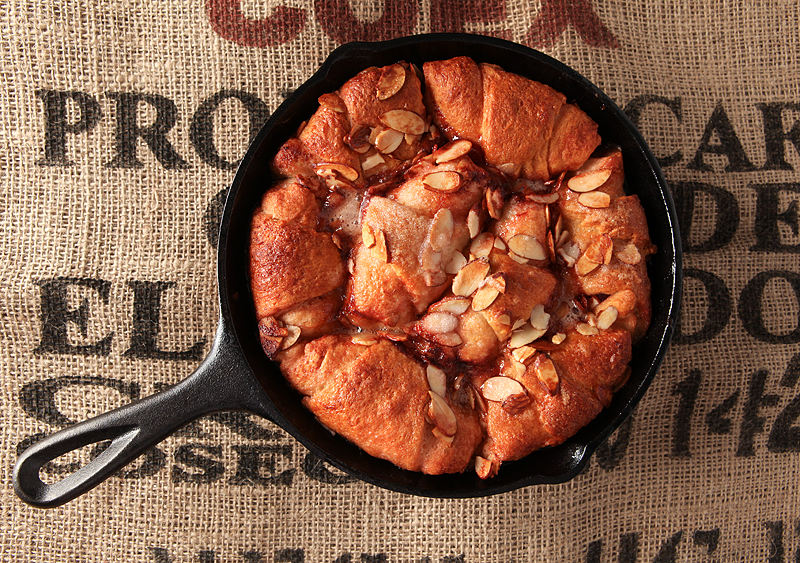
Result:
x=237 y=375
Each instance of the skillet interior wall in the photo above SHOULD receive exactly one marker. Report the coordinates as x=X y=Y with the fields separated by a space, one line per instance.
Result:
x=110 y=282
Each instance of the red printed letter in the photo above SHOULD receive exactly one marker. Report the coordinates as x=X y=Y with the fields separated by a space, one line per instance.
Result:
x=340 y=23
x=230 y=23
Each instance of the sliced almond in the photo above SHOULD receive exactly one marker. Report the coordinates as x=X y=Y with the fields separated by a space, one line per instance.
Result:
x=437 y=380
x=373 y=160
x=380 y=246
x=456 y=306
x=484 y=297
x=367 y=235
x=358 y=138
x=442 y=436
x=524 y=335
x=439 y=323
x=328 y=168
x=517 y=368
x=485 y=468
x=504 y=319
x=509 y=168
x=630 y=255
x=447 y=181
x=499 y=244
x=543 y=198
x=373 y=134
x=558 y=338
x=518 y=323
x=391 y=81
x=595 y=199
x=364 y=339
x=388 y=140
x=442 y=415
x=332 y=102
x=450 y=339
x=600 y=250
x=539 y=318
x=457 y=261
x=523 y=353
x=482 y=245
x=624 y=301
x=470 y=277
x=586 y=329
x=515 y=404
x=441 y=233
x=547 y=374
x=517 y=258
x=494 y=202
x=589 y=181
x=607 y=318
x=473 y=223
x=527 y=246
x=499 y=388
x=404 y=121
x=271 y=334
x=497 y=281
x=452 y=150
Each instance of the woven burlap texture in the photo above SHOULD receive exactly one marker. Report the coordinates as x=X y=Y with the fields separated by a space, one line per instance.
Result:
x=707 y=467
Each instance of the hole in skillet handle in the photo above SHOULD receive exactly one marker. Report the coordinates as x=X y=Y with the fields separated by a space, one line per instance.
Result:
x=644 y=178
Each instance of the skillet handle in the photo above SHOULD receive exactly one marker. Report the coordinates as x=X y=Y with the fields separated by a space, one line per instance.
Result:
x=222 y=382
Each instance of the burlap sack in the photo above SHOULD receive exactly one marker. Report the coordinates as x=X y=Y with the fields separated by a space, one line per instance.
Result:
x=121 y=123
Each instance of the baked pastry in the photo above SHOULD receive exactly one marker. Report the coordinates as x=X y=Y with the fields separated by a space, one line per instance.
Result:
x=454 y=279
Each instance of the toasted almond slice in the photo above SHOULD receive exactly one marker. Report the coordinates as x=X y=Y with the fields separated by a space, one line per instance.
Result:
x=380 y=246
x=607 y=318
x=624 y=301
x=509 y=169
x=527 y=246
x=504 y=319
x=539 y=318
x=332 y=102
x=497 y=281
x=372 y=161
x=518 y=368
x=494 y=202
x=523 y=353
x=373 y=134
x=485 y=468
x=404 y=121
x=449 y=339
x=543 y=198
x=499 y=244
x=499 y=388
x=470 y=277
x=291 y=338
x=455 y=264
x=630 y=255
x=517 y=258
x=484 y=297
x=473 y=223
x=586 y=329
x=482 y=245
x=595 y=199
x=437 y=380
x=442 y=436
x=447 y=181
x=391 y=81
x=524 y=335
x=589 y=181
x=388 y=140
x=584 y=266
x=364 y=339
x=328 y=168
x=452 y=150
x=442 y=415
x=434 y=132
x=600 y=250
x=411 y=139
x=441 y=233
x=547 y=374
x=367 y=235
x=455 y=306
x=518 y=323
x=439 y=323
x=558 y=338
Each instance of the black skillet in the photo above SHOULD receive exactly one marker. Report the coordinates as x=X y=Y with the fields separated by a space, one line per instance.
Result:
x=237 y=375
